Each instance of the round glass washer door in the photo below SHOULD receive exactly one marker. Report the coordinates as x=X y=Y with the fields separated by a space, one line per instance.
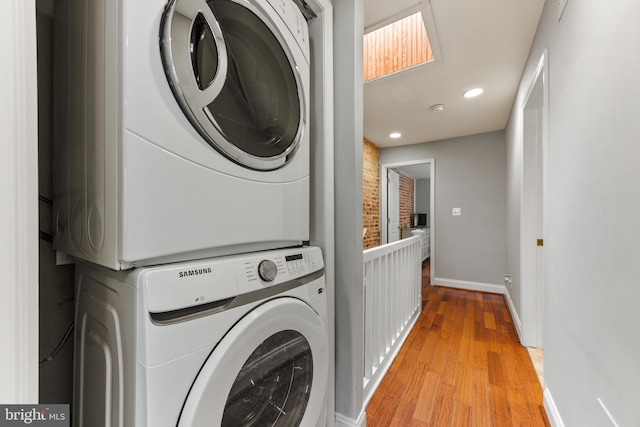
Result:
x=269 y=370
x=235 y=79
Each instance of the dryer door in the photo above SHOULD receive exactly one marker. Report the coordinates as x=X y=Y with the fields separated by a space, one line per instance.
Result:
x=269 y=370
x=235 y=78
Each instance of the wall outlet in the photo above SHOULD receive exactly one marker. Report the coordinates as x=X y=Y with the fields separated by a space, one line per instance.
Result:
x=456 y=212
x=508 y=282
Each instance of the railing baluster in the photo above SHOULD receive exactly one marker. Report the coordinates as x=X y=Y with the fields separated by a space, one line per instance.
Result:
x=392 y=279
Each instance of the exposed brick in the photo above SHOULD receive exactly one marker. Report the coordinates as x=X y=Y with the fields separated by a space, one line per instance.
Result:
x=406 y=199
x=370 y=194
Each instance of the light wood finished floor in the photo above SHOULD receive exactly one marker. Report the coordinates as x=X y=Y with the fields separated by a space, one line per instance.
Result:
x=462 y=365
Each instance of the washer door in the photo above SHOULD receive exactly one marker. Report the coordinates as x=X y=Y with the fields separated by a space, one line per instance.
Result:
x=269 y=370
x=235 y=79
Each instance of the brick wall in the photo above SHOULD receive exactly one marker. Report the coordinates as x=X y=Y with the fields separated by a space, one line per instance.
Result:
x=406 y=200
x=370 y=194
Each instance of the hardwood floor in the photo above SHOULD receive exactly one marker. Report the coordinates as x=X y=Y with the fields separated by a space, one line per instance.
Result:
x=462 y=365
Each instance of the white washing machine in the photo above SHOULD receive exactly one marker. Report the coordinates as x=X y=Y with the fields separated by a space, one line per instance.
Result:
x=181 y=129
x=232 y=341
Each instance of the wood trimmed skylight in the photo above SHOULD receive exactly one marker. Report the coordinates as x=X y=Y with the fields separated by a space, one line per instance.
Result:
x=395 y=47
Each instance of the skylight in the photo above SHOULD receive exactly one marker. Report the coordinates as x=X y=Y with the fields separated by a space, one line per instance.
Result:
x=395 y=47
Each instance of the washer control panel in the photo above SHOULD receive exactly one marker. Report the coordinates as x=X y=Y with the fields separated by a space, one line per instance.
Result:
x=274 y=267
x=296 y=264
x=267 y=270
x=188 y=284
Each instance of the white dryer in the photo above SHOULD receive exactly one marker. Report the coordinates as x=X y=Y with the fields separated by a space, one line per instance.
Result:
x=232 y=341
x=182 y=129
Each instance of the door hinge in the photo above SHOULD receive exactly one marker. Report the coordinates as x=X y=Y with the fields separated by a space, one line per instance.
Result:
x=540 y=242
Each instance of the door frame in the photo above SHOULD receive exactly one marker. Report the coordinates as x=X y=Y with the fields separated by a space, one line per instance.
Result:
x=19 y=215
x=432 y=199
x=390 y=202
x=533 y=207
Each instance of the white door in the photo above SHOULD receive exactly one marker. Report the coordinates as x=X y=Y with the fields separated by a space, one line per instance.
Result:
x=393 y=206
x=269 y=370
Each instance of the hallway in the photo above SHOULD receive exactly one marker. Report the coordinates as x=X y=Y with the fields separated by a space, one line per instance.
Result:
x=462 y=365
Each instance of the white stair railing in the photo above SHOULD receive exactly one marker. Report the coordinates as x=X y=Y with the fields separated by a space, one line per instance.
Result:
x=392 y=305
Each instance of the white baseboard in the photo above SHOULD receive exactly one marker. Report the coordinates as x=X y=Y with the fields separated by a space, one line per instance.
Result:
x=344 y=421
x=469 y=286
x=552 y=411
x=514 y=314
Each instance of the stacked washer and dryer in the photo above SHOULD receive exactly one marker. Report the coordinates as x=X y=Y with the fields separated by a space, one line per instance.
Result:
x=182 y=190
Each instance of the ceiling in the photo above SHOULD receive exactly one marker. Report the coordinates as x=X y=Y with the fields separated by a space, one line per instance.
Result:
x=416 y=171
x=476 y=43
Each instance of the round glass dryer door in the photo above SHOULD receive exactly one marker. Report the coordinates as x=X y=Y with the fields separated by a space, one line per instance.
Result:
x=235 y=79
x=269 y=370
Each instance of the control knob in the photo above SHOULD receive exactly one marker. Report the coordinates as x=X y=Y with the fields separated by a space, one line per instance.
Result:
x=267 y=270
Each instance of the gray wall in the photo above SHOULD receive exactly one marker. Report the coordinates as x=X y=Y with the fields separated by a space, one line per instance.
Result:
x=592 y=230
x=348 y=33
x=470 y=174
x=423 y=195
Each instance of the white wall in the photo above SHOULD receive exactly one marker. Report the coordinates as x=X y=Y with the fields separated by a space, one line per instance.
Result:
x=19 y=208
x=470 y=174
x=592 y=231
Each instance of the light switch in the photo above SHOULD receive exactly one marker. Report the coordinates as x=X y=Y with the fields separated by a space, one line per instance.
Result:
x=457 y=211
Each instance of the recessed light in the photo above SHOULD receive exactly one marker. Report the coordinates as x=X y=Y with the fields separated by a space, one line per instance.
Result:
x=395 y=135
x=438 y=108
x=473 y=92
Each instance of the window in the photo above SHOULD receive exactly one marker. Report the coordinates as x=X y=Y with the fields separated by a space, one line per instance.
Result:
x=395 y=47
